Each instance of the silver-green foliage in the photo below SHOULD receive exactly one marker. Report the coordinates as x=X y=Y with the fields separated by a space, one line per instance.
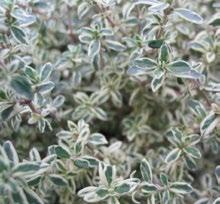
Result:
x=109 y=101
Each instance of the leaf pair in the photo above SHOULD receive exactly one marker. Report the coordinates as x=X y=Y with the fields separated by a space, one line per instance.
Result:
x=164 y=66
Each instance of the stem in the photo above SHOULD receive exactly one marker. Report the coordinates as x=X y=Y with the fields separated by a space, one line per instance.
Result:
x=202 y=93
x=111 y=22
x=107 y=17
x=102 y=63
x=30 y=104
x=72 y=35
x=167 y=12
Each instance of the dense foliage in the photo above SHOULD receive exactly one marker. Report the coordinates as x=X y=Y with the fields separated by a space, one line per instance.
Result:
x=109 y=101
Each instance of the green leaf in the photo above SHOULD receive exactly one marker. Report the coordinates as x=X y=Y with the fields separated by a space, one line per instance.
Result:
x=134 y=70
x=62 y=152
x=145 y=63
x=106 y=32
x=164 y=54
x=22 y=86
x=189 y=15
x=193 y=152
x=6 y=113
x=109 y=174
x=23 y=18
x=58 y=180
x=90 y=194
x=197 y=108
x=117 y=98
x=164 y=179
x=58 y=101
x=94 y=48
x=159 y=7
x=46 y=71
x=3 y=95
x=173 y=155
x=114 y=45
x=198 y=46
x=208 y=124
x=83 y=9
x=49 y=159
x=34 y=155
x=100 y=113
x=155 y=43
x=158 y=79
x=85 y=191
x=34 y=181
x=149 y=188
x=97 y=139
x=45 y=87
x=26 y=167
x=147 y=2
x=18 y=34
x=217 y=173
x=166 y=197
x=102 y=192
x=215 y=21
x=78 y=147
x=3 y=164
x=190 y=163
x=179 y=66
x=11 y=152
x=183 y=70
x=174 y=135
x=146 y=171
x=142 y=65
x=126 y=186
x=180 y=188
x=31 y=73
x=32 y=197
x=19 y=196
x=217 y=201
x=86 y=162
x=123 y=188
x=212 y=87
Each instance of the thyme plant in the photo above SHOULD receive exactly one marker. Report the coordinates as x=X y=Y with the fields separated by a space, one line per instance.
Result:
x=109 y=101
